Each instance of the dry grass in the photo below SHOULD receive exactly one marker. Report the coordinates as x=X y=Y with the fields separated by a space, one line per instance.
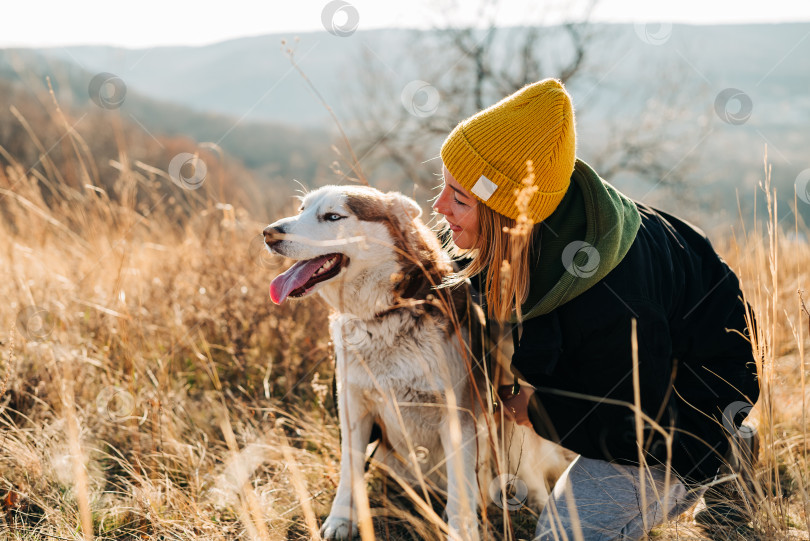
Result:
x=151 y=390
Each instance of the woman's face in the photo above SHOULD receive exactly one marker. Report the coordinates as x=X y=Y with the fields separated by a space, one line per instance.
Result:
x=459 y=209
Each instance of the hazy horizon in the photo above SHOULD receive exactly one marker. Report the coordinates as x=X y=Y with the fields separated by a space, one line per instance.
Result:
x=156 y=24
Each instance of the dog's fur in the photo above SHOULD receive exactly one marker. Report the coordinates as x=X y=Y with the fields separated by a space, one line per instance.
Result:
x=406 y=354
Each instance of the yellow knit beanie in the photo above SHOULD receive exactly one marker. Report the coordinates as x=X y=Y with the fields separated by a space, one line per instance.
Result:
x=488 y=153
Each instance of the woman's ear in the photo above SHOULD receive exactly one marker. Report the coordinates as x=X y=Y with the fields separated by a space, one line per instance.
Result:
x=403 y=203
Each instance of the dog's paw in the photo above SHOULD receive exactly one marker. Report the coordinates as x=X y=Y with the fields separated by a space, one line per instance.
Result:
x=463 y=530
x=338 y=528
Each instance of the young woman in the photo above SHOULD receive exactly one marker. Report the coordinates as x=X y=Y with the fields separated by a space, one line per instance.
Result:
x=583 y=273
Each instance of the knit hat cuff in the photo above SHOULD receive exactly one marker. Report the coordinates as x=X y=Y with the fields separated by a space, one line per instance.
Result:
x=467 y=166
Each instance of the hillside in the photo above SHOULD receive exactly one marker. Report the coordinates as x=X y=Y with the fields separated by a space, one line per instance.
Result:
x=625 y=84
x=252 y=76
x=274 y=151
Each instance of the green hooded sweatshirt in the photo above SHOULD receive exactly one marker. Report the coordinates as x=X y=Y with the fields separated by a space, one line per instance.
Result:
x=585 y=238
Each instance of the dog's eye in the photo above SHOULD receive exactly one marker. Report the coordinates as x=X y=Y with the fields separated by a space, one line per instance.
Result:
x=332 y=217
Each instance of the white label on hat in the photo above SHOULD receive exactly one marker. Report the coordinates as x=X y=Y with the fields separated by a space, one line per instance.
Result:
x=484 y=188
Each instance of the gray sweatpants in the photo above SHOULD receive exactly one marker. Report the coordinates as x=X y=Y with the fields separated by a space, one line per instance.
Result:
x=603 y=501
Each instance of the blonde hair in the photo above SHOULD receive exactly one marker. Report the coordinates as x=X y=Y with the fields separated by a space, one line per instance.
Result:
x=503 y=251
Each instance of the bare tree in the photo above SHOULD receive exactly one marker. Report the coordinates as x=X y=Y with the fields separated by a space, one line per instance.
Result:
x=462 y=70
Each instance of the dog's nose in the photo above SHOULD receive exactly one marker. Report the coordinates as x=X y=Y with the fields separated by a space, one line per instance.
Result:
x=271 y=234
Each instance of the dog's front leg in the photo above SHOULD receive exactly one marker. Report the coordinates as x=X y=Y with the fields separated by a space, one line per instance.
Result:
x=462 y=479
x=355 y=430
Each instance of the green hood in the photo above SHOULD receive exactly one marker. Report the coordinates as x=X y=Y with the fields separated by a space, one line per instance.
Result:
x=601 y=221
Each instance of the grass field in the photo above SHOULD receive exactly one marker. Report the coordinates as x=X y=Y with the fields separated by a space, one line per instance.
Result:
x=150 y=390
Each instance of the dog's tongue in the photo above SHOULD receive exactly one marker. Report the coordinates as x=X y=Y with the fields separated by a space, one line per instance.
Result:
x=294 y=277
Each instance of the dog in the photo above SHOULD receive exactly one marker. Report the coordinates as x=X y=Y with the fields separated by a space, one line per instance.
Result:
x=407 y=355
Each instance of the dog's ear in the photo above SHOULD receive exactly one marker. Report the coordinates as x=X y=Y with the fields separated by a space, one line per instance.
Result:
x=406 y=204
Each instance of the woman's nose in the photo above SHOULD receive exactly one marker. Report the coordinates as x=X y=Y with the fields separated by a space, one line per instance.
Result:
x=440 y=205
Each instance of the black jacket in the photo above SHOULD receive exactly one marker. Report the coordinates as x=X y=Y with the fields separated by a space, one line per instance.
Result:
x=694 y=365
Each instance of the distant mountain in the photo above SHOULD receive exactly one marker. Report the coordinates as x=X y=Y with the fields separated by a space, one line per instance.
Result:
x=249 y=77
x=252 y=77
x=283 y=123
x=272 y=149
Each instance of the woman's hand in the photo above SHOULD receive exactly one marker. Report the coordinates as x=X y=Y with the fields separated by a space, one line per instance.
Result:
x=515 y=406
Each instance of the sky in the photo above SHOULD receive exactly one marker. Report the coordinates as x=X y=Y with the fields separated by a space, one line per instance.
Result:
x=148 y=23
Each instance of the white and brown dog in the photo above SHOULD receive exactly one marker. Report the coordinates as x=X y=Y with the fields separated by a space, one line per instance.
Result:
x=404 y=352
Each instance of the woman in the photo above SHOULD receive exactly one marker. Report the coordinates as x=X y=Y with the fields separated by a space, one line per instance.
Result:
x=580 y=271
